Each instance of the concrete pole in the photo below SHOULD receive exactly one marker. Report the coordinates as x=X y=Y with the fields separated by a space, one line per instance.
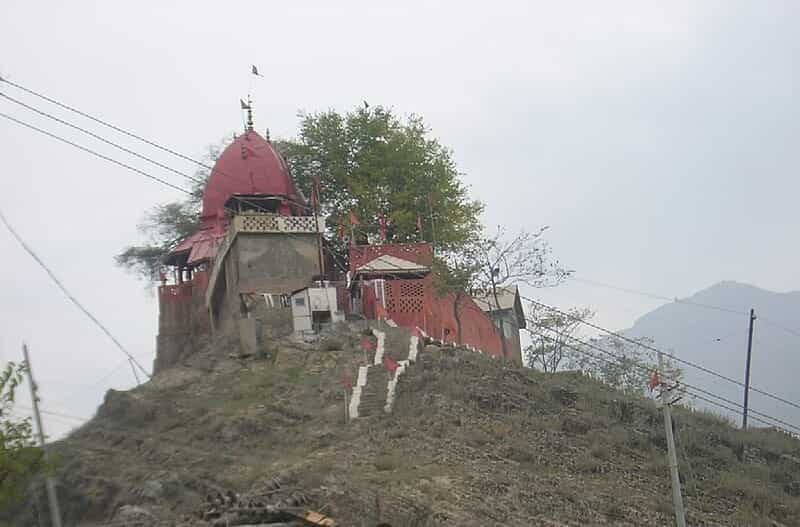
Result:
x=747 y=369
x=677 y=498
x=346 y=408
x=52 y=498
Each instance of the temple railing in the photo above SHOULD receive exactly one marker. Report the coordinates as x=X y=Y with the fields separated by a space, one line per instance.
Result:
x=255 y=223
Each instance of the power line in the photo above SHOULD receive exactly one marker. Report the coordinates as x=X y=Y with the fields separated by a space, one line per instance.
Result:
x=677 y=300
x=122 y=131
x=659 y=297
x=648 y=369
x=779 y=326
x=101 y=138
x=55 y=414
x=689 y=387
x=104 y=123
x=69 y=295
x=120 y=163
x=670 y=355
x=94 y=153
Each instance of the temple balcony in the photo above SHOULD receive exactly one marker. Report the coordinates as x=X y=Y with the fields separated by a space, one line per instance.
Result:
x=258 y=223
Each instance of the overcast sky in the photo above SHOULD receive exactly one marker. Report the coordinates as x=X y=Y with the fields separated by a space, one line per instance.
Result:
x=658 y=140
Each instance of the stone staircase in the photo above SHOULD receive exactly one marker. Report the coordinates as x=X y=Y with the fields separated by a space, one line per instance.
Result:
x=375 y=388
x=373 y=395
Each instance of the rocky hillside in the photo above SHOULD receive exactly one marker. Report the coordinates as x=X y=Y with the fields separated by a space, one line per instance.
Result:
x=221 y=440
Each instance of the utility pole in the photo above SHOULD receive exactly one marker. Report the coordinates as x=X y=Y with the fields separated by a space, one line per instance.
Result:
x=747 y=368
x=52 y=498
x=346 y=407
x=677 y=498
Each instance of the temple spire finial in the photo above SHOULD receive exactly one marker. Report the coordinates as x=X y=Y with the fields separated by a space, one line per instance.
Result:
x=249 y=114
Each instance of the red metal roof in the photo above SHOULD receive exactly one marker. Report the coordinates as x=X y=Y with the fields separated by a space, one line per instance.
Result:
x=202 y=245
x=248 y=166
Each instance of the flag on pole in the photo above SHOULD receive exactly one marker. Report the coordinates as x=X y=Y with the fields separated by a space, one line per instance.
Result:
x=346 y=381
x=390 y=364
x=655 y=381
x=354 y=219
x=315 y=191
x=382 y=224
x=255 y=71
x=367 y=344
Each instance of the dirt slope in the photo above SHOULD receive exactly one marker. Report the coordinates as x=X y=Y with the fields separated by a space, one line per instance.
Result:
x=471 y=442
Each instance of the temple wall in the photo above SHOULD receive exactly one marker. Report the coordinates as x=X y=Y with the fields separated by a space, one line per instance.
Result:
x=258 y=263
x=275 y=263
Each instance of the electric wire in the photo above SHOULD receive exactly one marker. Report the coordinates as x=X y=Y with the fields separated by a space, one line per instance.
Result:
x=666 y=354
x=677 y=300
x=690 y=389
x=584 y=352
x=53 y=413
x=104 y=123
x=69 y=295
x=122 y=131
x=658 y=297
x=95 y=153
x=685 y=384
x=100 y=138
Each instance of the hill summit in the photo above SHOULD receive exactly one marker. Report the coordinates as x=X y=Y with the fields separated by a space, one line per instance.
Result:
x=221 y=439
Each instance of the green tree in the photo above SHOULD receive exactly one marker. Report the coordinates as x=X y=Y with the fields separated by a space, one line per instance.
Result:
x=371 y=163
x=20 y=458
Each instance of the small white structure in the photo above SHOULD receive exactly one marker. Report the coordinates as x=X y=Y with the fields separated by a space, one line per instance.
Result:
x=314 y=307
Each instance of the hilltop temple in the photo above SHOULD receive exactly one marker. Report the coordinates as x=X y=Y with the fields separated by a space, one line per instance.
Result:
x=258 y=268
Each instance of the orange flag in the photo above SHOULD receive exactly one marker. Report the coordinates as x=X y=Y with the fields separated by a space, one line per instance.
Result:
x=655 y=381
x=390 y=364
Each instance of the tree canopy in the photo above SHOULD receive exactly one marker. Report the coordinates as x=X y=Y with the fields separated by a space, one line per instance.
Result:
x=371 y=163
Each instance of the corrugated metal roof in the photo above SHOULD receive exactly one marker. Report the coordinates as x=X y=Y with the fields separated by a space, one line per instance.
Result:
x=506 y=296
x=202 y=245
x=389 y=264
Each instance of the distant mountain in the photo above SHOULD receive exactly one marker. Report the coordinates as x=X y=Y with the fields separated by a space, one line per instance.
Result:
x=717 y=339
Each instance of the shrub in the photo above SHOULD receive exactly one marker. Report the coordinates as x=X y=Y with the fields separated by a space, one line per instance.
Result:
x=331 y=344
x=600 y=451
x=575 y=425
x=385 y=462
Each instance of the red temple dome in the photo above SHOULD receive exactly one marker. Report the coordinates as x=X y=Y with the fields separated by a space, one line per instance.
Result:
x=249 y=166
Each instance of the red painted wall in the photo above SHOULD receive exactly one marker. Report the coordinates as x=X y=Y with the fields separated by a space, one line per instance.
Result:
x=414 y=303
